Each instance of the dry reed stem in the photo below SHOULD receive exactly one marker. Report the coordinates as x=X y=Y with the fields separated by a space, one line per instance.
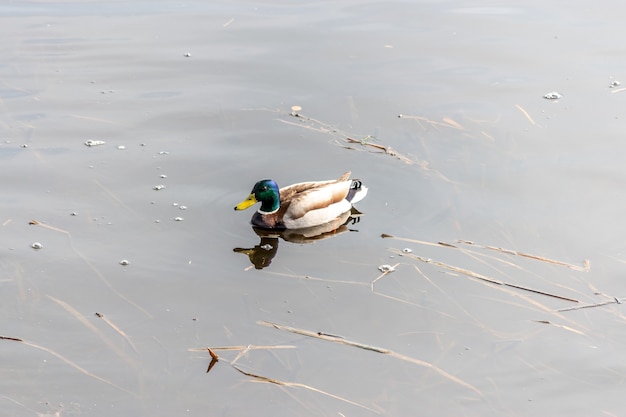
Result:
x=99 y=274
x=584 y=268
x=77 y=315
x=478 y=256
x=243 y=350
x=376 y=349
x=118 y=330
x=382 y=275
x=241 y=347
x=319 y=126
x=446 y=121
x=452 y=123
x=307 y=387
x=530 y=256
x=604 y=303
x=525 y=113
x=67 y=361
x=311 y=278
x=569 y=329
x=499 y=285
x=478 y=276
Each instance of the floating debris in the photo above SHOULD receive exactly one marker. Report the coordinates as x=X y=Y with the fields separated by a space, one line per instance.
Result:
x=615 y=84
x=121 y=147
x=73 y=213
x=552 y=96
x=187 y=54
x=267 y=246
x=178 y=219
x=24 y=146
x=158 y=187
x=91 y=142
x=407 y=250
x=36 y=245
x=182 y=207
x=162 y=176
x=295 y=110
x=386 y=268
x=164 y=153
x=124 y=262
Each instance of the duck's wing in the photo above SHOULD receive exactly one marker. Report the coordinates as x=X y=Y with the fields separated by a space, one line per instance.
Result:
x=299 y=199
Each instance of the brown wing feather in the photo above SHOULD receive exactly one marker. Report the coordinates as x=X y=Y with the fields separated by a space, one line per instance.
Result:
x=299 y=199
x=317 y=198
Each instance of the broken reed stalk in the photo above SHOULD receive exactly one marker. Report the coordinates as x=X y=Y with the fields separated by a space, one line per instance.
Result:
x=481 y=277
x=447 y=121
x=584 y=268
x=322 y=127
x=604 y=303
x=81 y=318
x=525 y=113
x=118 y=330
x=341 y=340
x=243 y=350
x=307 y=387
x=560 y=326
x=67 y=361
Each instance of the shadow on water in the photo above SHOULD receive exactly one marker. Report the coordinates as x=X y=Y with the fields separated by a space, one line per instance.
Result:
x=262 y=254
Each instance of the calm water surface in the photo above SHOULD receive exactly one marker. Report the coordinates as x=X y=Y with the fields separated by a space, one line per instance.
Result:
x=198 y=97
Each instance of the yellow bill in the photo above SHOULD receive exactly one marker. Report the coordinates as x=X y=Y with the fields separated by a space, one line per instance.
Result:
x=250 y=201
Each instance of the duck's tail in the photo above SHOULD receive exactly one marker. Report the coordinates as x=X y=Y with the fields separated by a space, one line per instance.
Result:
x=357 y=191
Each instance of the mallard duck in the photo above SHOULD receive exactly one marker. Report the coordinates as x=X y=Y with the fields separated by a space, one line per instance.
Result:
x=302 y=205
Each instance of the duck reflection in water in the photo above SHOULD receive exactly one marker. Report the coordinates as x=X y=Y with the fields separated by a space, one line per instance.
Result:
x=261 y=255
x=302 y=212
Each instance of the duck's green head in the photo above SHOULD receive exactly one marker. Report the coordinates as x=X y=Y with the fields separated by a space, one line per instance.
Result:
x=266 y=192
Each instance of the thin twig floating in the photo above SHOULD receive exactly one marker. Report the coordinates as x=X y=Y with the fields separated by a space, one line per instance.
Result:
x=585 y=268
x=80 y=317
x=214 y=360
x=213 y=354
x=604 y=303
x=385 y=149
x=446 y=121
x=527 y=255
x=525 y=113
x=239 y=348
x=299 y=385
x=245 y=349
x=67 y=361
x=382 y=275
x=345 y=137
x=323 y=336
x=118 y=330
x=560 y=326
x=476 y=275
x=421 y=242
